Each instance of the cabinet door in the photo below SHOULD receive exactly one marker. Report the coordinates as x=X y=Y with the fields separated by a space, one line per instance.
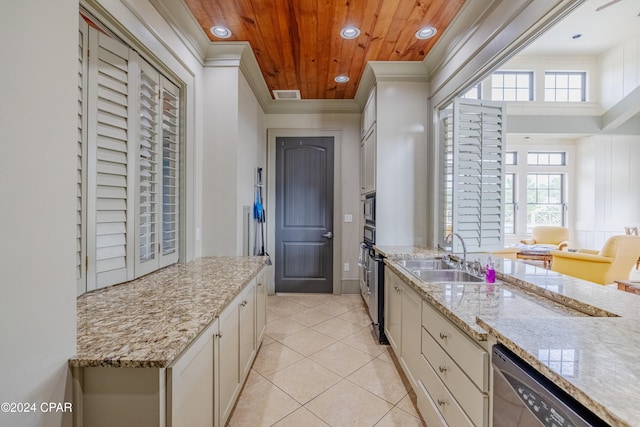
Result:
x=411 y=330
x=261 y=306
x=393 y=310
x=190 y=384
x=370 y=162
x=228 y=367
x=247 y=306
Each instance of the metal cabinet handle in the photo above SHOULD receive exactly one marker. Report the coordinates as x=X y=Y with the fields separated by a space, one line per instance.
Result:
x=441 y=402
x=243 y=303
x=259 y=284
x=442 y=369
x=219 y=334
x=443 y=336
x=397 y=288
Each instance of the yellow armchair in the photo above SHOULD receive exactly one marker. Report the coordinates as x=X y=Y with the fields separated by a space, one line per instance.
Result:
x=554 y=236
x=612 y=262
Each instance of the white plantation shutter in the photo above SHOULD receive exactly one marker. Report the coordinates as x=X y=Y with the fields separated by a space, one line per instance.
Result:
x=149 y=186
x=170 y=171
x=128 y=186
x=81 y=221
x=110 y=166
x=477 y=173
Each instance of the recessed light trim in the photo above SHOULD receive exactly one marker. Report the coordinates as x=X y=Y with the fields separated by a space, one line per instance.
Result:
x=220 y=32
x=341 y=78
x=349 y=33
x=426 y=33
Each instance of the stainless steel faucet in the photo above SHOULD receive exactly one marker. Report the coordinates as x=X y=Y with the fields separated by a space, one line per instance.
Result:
x=449 y=239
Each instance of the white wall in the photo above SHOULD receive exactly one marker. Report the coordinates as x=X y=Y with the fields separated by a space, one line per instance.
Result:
x=234 y=146
x=620 y=72
x=38 y=118
x=607 y=174
x=252 y=148
x=349 y=234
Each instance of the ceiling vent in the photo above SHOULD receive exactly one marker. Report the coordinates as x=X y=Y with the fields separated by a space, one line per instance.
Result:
x=286 y=94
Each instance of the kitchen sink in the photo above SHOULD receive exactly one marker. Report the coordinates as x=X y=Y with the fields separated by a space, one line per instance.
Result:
x=423 y=264
x=430 y=275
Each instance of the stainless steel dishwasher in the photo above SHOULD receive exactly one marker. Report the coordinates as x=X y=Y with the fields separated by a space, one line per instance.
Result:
x=523 y=397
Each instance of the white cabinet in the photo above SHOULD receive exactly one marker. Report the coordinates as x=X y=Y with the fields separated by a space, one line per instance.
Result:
x=261 y=306
x=402 y=322
x=190 y=384
x=236 y=348
x=368 y=163
x=368 y=146
x=228 y=361
x=199 y=388
x=453 y=374
x=393 y=310
x=247 y=339
x=369 y=113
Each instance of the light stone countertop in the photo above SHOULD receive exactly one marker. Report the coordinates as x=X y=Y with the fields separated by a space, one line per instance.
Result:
x=149 y=321
x=541 y=315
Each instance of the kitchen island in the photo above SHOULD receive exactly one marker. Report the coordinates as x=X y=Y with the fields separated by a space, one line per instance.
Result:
x=149 y=351
x=539 y=314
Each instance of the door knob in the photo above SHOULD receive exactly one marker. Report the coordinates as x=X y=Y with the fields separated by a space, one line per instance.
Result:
x=328 y=235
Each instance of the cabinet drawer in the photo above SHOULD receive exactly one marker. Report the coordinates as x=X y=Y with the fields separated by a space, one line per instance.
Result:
x=474 y=402
x=472 y=358
x=437 y=395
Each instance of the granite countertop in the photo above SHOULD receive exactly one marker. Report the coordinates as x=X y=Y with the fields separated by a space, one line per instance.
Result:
x=149 y=321
x=582 y=336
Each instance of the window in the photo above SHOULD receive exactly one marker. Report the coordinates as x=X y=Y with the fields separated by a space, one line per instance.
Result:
x=474 y=93
x=511 y=158
x=565 y=86
x=545 y=200
x=509 y=204
x=512 y=86
x=128 y=163
x=546 y=158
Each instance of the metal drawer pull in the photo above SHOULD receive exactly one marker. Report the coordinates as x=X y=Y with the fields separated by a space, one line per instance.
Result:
x=443 y=336
x=219 y=334
x=244 y=303
x=442 y=369
x=441 y=402
x=259 y=284
x=396 y=288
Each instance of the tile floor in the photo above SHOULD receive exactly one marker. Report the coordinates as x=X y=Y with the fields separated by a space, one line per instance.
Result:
x=319 y=365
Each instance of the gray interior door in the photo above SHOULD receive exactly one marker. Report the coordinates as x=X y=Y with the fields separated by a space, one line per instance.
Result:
x=304 y=214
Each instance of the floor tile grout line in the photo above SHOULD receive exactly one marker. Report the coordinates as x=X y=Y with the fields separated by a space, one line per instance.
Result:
x=341 y=377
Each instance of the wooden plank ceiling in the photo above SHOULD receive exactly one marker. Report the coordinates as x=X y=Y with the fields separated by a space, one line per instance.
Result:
x=298 y=45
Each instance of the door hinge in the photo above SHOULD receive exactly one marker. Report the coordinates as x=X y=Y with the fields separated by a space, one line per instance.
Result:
x=158 y=247
x=86 y=263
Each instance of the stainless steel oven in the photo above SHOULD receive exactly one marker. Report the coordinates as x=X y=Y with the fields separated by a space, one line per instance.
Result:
x=372 y=281
x=523 y=397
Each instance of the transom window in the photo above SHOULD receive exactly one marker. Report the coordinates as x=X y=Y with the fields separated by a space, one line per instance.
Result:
x=512 y=86
x=565 y=86
x=473 y=93
x=545 y=158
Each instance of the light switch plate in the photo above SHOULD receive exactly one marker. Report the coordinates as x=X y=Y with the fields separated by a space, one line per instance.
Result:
x=348 y=218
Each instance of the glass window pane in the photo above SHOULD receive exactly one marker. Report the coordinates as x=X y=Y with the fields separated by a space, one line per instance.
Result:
x=523 y=95
x=509 y=80
x=549 y=95
x=549 y=80
x=562 y=80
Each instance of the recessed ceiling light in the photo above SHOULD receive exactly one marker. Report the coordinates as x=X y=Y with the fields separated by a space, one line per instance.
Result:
x=426 y=33
x=349 y=32
x=221 y=32
x=341 y=79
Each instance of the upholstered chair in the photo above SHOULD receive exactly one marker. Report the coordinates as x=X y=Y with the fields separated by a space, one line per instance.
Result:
x=613 y=262
x=553 y=236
